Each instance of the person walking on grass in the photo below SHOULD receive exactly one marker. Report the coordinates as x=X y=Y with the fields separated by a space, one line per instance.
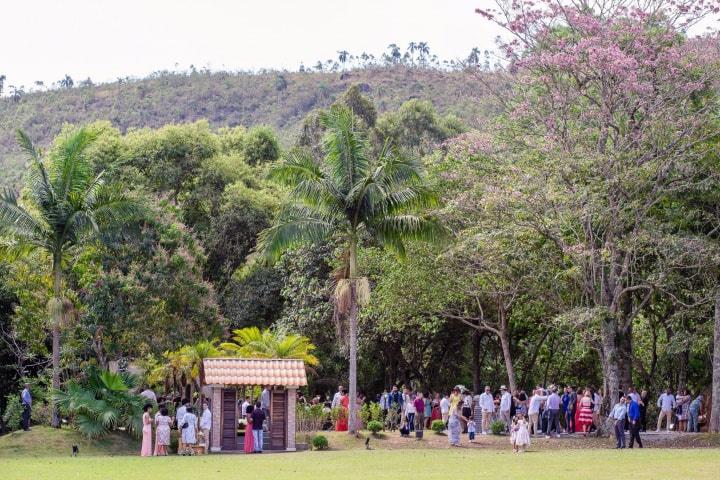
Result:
x=633 y=415
x=455 y=425
x=445 y=409
x=553 y=407
x=618 y=414
x=409 y=409
x=488 y=408
x=506 y=402
x=419 y=412
x=26 y=400
x=519 y=434
x=666 y=403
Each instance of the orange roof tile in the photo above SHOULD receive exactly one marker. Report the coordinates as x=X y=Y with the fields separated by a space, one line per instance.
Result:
x=254 y=371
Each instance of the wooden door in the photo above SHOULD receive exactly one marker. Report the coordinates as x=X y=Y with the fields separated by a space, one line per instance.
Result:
x=278 y=419
x=229 y=419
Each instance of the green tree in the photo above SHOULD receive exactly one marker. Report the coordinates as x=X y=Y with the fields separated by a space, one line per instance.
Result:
x=348 y=196
x=253 y=343
x=261 y=146
x=66 y=206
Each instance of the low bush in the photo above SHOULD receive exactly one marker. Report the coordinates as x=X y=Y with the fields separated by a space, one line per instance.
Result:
x=374 y=426
x=497 y=427
x=13 y=413
x=320 y=442
x=437 y=426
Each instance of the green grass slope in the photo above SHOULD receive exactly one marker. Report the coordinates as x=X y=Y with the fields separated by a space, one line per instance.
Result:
x=51 y=442
x=224 y=99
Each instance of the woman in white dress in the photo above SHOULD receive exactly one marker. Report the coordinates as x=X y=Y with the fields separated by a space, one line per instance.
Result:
x=189 y=431
x=162 y=432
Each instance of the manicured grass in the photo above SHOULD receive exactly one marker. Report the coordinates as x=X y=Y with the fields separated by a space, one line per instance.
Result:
x=380 y=464
x=48 y=442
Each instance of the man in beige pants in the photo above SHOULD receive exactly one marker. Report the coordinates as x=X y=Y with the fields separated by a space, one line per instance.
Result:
x=206 y=425
x=666 y=402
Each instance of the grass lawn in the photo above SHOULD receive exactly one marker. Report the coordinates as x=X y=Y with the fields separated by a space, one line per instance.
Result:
x=380 y=464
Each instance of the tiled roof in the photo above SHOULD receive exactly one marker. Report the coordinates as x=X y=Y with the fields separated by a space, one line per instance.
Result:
x=254 y=371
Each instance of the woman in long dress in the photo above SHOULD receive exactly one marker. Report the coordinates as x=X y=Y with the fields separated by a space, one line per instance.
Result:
x=146 y=449
x=249 y=445
x=189 y=433
x=342 y=421
x=436 y=414
x=519 y=434
x=586 y=413
x=162 y=432
x=455 y=425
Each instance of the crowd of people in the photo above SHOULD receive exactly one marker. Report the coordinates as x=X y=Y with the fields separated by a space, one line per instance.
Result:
x=193 y=429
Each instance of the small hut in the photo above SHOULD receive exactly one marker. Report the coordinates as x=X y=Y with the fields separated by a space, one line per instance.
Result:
x=225 y=376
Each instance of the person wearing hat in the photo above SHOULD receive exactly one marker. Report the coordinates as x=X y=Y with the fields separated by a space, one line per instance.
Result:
x=505 y=406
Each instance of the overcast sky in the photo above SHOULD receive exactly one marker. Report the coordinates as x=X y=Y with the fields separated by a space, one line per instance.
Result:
x=103 y=40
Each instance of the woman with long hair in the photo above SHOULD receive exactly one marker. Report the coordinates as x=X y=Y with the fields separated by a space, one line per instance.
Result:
x=585 y=418
x=146 y=449
x=162 y=432
x=249 y=445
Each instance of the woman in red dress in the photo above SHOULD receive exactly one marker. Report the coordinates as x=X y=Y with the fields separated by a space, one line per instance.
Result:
x=579 y=396
x=435 y=413
x=249 y=446
x=586 y=413
x=342 y=421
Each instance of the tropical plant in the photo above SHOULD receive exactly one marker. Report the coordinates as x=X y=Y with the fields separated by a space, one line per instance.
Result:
x=347 y=196
x=437 y=426
x=320 y=442
x=374 y=426
x=66 y=205
x=253 y=343
x=13 y=412
x=193 y=356
x=102 y=402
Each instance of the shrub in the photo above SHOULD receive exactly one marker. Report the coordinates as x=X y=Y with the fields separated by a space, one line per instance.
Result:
x=319 y=442
x=371 y=412
x=497 y=427
x=437 y=426
x=374 y=426
x=13 y=412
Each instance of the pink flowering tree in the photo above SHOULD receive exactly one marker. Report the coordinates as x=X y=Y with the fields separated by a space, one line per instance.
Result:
x=612 y=109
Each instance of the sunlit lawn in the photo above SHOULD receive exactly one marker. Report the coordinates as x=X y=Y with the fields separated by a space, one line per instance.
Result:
x=380 y=464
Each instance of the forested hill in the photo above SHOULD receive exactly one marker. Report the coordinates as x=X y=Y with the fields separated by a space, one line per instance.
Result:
x=279 y=99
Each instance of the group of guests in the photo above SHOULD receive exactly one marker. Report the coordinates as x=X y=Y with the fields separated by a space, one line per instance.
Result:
x=683 y=408
x=185 y=420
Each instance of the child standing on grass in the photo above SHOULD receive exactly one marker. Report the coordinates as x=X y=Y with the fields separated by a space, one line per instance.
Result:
x=519 y=434
x=471 y=430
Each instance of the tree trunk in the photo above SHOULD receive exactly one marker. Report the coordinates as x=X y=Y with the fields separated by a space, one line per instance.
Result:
x=610 y=358
x=505 y=343
x=714 y=423
x=352 y=320
x=476 y=360
x=57 y=317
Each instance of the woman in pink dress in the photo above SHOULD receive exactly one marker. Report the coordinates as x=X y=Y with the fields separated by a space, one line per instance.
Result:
x=342 y=421
x=249 y=446
x=146 y=450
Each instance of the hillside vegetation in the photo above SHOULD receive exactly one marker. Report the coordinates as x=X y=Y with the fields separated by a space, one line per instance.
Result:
x=279 y=99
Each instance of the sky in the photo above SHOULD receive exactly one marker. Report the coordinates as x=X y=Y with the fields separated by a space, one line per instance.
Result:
x=101 y=39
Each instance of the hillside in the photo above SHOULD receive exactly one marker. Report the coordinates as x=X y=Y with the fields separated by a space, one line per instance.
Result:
x=279 y=99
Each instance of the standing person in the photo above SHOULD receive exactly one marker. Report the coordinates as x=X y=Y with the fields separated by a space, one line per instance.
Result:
x=519 y=434
x=428 y=409
x=618 y=414
x=265 y=401
x=206 y=424
x=682 y=405
x=694 y=414
x=26 y=399
x=384 y=402
x=467 y=403
x=455 y=399
x=488 y=409
x=553 y=407
x=454 y=425
x=505 y=406
x=585 y=409
x=146 y=449
x=644 y=402
x=249 y=444
x=180 y=419
x=189 y=431
x=336 y=397
x=396 y=399
x=436 y=412
x=597 y=407
x=409 y=409
x=534 y=410
x=666 y=403
x=258 y=419
x=245 y=404
x=162 y=432
x=471 y=430
x=445 y=409
x=341 y=425
x=633 y=414
x=419 y=413
x=569 y=400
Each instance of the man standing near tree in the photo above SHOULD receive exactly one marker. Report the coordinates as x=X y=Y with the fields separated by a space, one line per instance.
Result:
x=505 y=406
x=488 y=408
x=666 y=402
x=633 y=415
x=26 y=400
x=618 y=416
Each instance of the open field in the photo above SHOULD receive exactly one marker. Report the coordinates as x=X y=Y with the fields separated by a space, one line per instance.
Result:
x=380 y=464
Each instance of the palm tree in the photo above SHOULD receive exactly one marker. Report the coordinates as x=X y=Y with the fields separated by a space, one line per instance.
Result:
x=343 y=56
x=253 y=343
x=394 y=52
x=424 y=50
x=66 y=206
x=193 y=356
x=347 y=196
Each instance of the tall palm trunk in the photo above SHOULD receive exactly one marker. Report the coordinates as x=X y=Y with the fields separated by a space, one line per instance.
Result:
x=352 y=320
x=56 y=313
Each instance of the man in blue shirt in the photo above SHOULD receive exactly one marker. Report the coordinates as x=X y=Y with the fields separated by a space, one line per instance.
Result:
x=633 y=415
x=258 y=418
x=618 y=414
x=26 y=400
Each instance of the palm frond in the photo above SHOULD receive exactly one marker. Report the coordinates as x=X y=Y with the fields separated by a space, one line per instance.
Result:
x=345 y=148
x=296 y=225
x=298 y=166
x=394 y=230
x=18 y=222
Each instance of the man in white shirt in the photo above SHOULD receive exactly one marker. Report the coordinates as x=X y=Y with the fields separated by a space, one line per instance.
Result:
x=206 y=424
x=445 y=409
x=534 y=410
x=505 y=405
x=485 y=402
x=618 y=414
x=244 y=407
x=265 y=404
x=666 y=402
x=336 y=397
x=597 y=406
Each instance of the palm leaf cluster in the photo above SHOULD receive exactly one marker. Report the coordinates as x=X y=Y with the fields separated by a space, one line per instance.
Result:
x=350 y=194
x=102 y=402
x=251 y=342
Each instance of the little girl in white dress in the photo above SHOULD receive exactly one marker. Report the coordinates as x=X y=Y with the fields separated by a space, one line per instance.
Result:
x=519 y=434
